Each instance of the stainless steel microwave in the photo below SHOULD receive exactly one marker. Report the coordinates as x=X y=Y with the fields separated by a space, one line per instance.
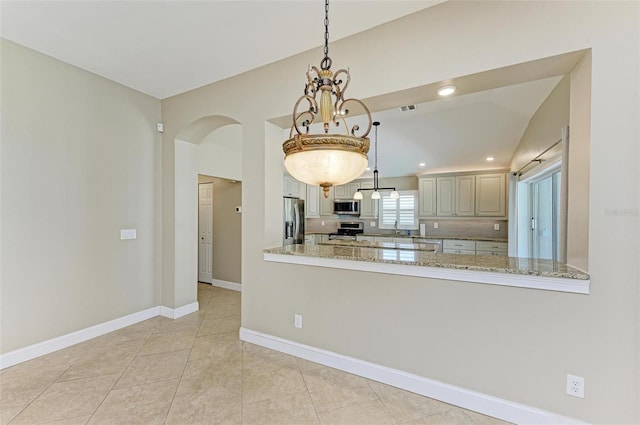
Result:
x=346 y=207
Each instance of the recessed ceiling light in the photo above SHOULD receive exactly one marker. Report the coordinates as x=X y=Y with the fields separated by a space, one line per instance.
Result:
x=489 y=158
x=422 y=164
x=446 y=90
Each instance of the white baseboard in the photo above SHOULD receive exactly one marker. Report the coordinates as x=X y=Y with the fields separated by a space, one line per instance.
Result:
x=39 y=349
x=227 y=285
x=478 y=402
x=176 y=313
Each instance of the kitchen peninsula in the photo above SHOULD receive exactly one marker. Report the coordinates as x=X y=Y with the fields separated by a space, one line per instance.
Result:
x=487 y=269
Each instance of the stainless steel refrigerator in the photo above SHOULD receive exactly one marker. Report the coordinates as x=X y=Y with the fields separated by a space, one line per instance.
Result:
x=293 y=221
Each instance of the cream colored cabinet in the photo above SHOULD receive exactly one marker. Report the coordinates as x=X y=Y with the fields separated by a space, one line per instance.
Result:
x=384 y=239
x=326 y=204
x=346 y=191
x=455 y=196
x=291 y=187
x=365 y=238
x=368 y=206
x=309 y=239
x=491 y=248
x=427 y=197
x=458 y=247
x=321 y=238
x=312 y=203
x=491 y=195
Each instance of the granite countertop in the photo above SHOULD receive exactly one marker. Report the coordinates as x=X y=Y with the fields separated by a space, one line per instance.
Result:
x=382 y=245
x=496 y=264
x=458 y=238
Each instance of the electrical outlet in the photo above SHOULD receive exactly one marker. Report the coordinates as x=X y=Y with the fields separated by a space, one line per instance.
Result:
x=575 y=386
x=496 y=226
x=127 y=234
x=372 y=224
x=322 y=223
x=435 y=225
x=297 y=321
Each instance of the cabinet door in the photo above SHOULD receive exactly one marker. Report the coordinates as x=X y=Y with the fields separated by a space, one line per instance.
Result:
x=312 y=207
x=384 y=239
x=368 y=206
x=291 y=187
x=326 y=204
x=491 y=195
x=352 y=188
x=366 y=238
x=465 y=196
x=445 y=196
x=427 y=201
x=341 y=192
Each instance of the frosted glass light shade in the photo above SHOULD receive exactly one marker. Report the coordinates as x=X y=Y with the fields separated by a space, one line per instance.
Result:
x=324 y=167
x=358 y=196
x=394 y=195
x=375 y=195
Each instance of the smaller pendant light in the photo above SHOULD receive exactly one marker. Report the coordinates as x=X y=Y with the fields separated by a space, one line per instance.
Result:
x=376 y=194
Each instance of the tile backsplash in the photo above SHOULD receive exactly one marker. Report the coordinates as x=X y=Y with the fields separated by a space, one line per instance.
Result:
x=482 y=228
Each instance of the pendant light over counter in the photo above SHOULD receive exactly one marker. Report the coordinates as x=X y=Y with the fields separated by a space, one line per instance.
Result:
x=376 y=190
x=326 y=159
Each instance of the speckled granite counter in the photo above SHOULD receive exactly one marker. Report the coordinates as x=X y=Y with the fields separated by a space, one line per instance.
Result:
x=494 y=264
x=382 y=245
x=455 y=238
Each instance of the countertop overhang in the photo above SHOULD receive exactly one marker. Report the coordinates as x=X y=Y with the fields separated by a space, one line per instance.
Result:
x=495 y=270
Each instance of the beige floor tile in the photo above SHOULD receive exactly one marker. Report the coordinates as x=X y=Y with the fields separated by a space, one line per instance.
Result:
x=271 y=381
x=207 y=408
x=203 y=367
x=451 y=417
x=220 y=308
x=9 y=412
x=219 y=346
x=146 y=404
x=367 y=413
x=65 y=400
x=294 y=409
x=109 y=361
x=80 y=420
x=225 y=381
x=164 y=342
x=154 y=368
x=219 y=325
x=406 y=406
x=481 y=419
x=256 y=357
x=21 y=384
x=306 y=365
x=332 y=389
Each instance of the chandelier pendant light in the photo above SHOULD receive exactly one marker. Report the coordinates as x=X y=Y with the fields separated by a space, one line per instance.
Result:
x=326 y=159
x=376 y=190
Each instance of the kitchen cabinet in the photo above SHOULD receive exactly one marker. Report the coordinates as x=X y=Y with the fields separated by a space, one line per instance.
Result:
x=368 y=206
x=427 y=197
x=291 y=187
x=312 y=204
x=326 y=204
x=455 y=196
x=491 y=248
x=346 y=191
x=366 y=238
x=309 y=239
x=384 y=239
x=491 y=195
x=458 y=247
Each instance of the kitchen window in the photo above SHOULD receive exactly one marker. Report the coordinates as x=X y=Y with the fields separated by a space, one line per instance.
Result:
x=399 y=213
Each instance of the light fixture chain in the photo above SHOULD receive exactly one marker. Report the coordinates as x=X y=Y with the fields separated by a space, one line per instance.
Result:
x=326 y=62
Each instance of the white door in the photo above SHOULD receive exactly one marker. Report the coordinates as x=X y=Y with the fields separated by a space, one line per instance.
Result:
x=544 y=219
x=205 y=232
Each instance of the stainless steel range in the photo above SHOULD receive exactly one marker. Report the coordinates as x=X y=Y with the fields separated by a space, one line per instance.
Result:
x=348 y=230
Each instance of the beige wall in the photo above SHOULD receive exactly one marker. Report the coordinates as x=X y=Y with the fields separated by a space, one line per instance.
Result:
x=80 y=161
x=227 y=228
x=475 y=336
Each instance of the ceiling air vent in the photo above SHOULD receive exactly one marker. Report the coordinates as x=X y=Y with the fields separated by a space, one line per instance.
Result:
x=408 y=108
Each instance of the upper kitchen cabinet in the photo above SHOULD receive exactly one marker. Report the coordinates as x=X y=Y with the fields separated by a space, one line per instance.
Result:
x=455 y=196
x=427 y=192
x=368 y=206
x=326 y=204
x=491 y=195
x=312 y=207
x=346 y=191
x=291 y=187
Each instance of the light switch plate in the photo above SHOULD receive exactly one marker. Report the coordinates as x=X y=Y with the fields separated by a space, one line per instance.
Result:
x=127 y=234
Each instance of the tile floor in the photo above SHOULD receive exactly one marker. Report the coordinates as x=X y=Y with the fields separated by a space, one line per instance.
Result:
x=195 y=370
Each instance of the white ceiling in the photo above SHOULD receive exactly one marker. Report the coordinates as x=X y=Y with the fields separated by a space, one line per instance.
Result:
x=163 y=48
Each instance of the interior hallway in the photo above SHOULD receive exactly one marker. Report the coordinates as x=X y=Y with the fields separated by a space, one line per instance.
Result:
x=195 y=370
